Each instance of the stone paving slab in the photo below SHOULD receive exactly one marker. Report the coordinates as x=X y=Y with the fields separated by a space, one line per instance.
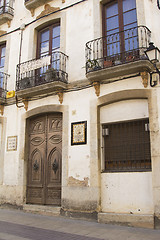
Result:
x=22 y=231
x=18 y=225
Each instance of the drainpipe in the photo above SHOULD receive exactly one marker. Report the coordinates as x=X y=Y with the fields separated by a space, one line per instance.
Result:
x=22 y=27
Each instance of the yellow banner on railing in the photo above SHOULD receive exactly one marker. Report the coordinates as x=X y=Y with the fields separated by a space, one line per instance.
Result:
x=10 y=94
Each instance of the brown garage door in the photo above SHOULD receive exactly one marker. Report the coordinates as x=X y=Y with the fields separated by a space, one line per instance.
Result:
x=44 y=159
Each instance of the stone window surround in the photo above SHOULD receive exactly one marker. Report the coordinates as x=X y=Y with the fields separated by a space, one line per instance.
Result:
x=44 y=22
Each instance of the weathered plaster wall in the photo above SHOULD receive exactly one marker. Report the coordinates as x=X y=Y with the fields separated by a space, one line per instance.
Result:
x=152 y=19
x=127 y=193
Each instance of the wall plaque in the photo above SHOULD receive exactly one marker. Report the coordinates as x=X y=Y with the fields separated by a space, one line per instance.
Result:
x=79 y=133
x=12 y=143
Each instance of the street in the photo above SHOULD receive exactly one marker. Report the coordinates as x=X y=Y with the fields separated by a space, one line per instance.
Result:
x=19 y=225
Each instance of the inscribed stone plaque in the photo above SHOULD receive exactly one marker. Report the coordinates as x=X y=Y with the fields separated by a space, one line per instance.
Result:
x=12 y=143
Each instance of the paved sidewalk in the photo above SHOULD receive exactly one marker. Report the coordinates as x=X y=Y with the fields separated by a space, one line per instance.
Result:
x=18 y=225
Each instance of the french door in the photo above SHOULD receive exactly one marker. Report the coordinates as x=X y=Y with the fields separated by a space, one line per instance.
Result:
x=120 y=27
x=2 y=61
x=49 y=44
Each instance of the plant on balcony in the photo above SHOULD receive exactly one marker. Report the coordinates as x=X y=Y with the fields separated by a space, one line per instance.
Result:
x=107 y=63
x=51 y=75
x=130 y=58
x=26 y=82
x=92 y=65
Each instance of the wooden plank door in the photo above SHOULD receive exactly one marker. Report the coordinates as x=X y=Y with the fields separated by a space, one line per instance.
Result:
x=44 y=163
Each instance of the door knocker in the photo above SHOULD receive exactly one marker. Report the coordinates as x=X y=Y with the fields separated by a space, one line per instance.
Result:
x=55 y=166
x=36 y=166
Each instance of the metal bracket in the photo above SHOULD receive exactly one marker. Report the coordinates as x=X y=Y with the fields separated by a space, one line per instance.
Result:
x=55 y=166
x=36 y=166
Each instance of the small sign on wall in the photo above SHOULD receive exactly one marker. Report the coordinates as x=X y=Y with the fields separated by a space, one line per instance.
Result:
x=79 y=133
x=12 y=143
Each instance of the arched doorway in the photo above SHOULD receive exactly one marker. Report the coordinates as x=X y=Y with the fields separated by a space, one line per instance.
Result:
x=44 y=159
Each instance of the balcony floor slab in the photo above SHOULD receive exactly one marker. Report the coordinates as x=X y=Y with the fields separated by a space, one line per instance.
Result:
x=42 y=89
x=122 y=70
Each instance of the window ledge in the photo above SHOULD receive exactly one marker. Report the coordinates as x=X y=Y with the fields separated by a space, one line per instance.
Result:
x=127 y=170
x=119 y=71
x=42 y=89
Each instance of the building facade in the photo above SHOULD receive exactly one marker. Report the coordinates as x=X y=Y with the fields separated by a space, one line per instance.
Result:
x=79 y=103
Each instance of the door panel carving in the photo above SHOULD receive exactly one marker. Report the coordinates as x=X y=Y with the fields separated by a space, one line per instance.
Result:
x=36 y=161
x=44 y=164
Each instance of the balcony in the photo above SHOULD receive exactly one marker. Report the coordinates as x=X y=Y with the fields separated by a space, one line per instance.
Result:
x=6 y=12
x=40 y=76
x=110 y=57
x=3 y=87
x=32 y=4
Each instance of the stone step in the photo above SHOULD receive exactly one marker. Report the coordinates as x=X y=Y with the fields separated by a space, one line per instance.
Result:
x=41 y=209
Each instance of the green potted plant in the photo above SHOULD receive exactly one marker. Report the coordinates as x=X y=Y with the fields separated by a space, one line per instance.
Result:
x=92 y=65
x=26 y=82
x=50 y=74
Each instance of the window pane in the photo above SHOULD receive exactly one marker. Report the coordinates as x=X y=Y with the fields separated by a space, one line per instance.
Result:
x=44 y=47
x=3 y=50
x=113 y=49
x=113 y=31
x=128 y=5
x=45 y=36
x=56 y=42
x=131 y=43
x=1 y=3
x=129 y=17
x=56 y=31
x=2 y=62
x=131 y=26
x=1 y=69
x=112 y=23
x=112 y=10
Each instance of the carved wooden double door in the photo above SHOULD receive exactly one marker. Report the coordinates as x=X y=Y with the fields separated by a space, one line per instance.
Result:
x=44 y=159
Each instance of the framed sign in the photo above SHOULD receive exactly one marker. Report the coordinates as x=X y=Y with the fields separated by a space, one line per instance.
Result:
x=79 y=133
x=12 y=143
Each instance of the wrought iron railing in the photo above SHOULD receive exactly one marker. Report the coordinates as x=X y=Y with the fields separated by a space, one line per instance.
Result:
x=3 y=84
x=117 y=48
x=127 y=146
x=7 y=7
x=49 y=68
